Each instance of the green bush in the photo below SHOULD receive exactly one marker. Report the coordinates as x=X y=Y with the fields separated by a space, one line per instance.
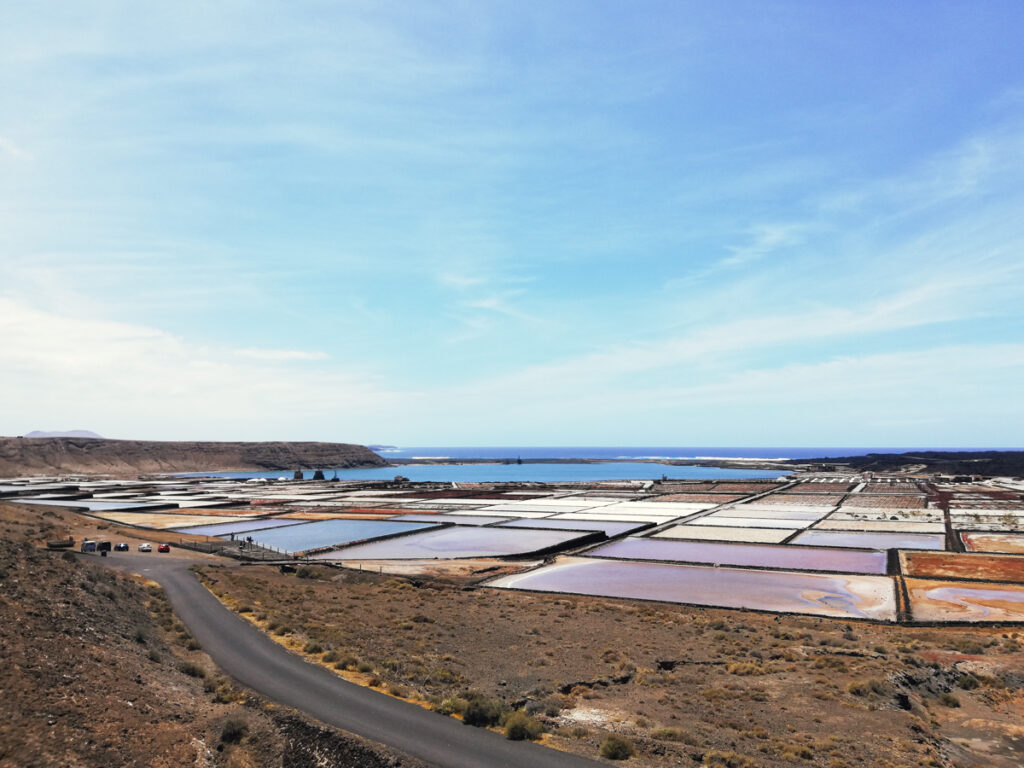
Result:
x=234 y=731
x=717 y=759
x=452 y=705
x=192 y=670
x=673 y=734
x=616 y=748
x=481 y=711
x=868 y=687
x=949 y=700
x=519 y=726
x=968 y=682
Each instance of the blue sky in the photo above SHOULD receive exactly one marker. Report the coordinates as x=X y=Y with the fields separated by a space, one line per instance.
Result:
x=514 y=223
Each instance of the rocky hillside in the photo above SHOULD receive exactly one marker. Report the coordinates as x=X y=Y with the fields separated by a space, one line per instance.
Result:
x=32 y=456
x=98 y=672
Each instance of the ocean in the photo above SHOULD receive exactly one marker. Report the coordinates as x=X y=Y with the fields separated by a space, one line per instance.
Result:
x=553 y=473
x=396 y=453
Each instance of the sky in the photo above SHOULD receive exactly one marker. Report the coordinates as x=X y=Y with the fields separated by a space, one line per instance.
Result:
x=514 y=223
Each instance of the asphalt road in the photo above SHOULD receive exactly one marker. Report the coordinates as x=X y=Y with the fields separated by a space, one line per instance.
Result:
x=257 y=662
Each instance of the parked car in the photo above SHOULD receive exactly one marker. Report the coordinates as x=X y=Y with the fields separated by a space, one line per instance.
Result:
x=164 y=548
x=88 y=545
x=147 y=547
x=121 y=546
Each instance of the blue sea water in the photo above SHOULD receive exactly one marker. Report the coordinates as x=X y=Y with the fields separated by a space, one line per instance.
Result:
x=555 y=473
x=510 y=473
x=396 y=453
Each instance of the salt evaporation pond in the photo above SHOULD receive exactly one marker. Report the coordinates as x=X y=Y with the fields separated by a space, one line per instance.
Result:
x=993 y=542
x=610 y=527
x=800 y=514
x=860 y=597
x=455 y=519
x=95 y=506
x=164 y=521
x=329 y=533
x=871 y=540
x=718 y=533
x=450 y=543
x=893 y=526
x=964 y=601
x=752 y=522
x=753 y=555
x=224 y=529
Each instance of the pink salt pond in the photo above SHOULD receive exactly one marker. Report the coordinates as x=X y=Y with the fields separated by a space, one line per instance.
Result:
x=947 y=601
x=861 y=597
x=751 y=555
x=464 y=541
x=871 y=540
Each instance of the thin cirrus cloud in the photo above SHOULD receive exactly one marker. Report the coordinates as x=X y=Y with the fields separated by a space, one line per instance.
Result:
x=474 y=224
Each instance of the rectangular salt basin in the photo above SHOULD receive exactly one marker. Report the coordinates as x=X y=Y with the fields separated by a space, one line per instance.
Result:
x=778 y=509
x=715 y=533
x=455 y=542
x=453 y=519
x=994 y=542
x=880 y=525
x=719 y=518
x=91 y=505
x=504 y=513
x=674 y=508
x=225 y=529
x=311 y=516
x=233 y=512
x=908 y=515
x=545 y=508
x=609 y=527
x=165 y=521
x=754 y=555
x=959 y=565
x=777 y=513
x=871 y=540
x=965 y=601
x=861 y=597
x=639 y=518
x=329 y=533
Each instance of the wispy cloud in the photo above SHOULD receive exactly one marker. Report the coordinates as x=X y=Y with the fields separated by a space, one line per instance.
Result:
x=9 y=148
x=280 y=355
x=124 y=377
x=765 y=239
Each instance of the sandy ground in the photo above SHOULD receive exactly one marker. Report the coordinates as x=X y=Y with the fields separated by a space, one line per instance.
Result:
x=679 y=683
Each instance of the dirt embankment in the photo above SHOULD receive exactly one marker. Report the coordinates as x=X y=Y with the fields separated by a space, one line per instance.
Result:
x=25 y=456
x=97 y=671
x=686 y=686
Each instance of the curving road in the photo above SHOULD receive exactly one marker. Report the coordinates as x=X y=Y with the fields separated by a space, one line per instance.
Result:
x=257 y=662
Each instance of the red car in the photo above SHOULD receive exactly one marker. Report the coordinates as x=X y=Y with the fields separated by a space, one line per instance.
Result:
x=164 y=548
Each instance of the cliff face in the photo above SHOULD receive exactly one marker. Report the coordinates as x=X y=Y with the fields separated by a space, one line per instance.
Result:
x=54 y=455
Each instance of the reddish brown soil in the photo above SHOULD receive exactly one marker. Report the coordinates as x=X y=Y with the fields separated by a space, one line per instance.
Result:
x=998 y=568
x=93 y=674
x=682 y=684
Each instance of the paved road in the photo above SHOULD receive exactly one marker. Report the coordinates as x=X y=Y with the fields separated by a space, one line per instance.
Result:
x=257 y=662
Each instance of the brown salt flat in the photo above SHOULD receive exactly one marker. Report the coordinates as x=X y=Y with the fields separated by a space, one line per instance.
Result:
x=957 y=565
x=965 y=601
x=994 y=542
